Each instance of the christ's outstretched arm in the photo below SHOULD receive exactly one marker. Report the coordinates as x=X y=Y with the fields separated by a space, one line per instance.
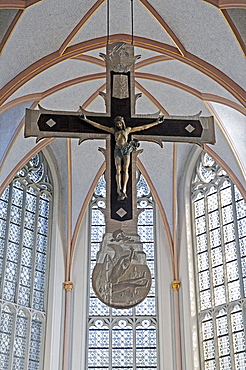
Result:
x=97 y=125
x=145 y=127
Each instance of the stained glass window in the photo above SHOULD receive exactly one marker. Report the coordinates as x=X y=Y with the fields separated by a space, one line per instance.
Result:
x=219 y=214
x=24 y=233
x=123 y=338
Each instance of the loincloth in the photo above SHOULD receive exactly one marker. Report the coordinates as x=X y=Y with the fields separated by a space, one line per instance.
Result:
x=121 y=151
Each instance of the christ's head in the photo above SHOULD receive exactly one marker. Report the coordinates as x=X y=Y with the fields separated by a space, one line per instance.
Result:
x=119 y=123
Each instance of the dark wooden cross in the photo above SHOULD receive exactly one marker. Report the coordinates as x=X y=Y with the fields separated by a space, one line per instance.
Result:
x=120 y=99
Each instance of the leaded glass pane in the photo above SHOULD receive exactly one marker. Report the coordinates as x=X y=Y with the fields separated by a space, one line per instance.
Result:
x=17 y=196
x=220 y=265
x=20 y=343
x=117 y=338
x=5 y=336
x=99 y=338
x=237 y=321
x=146 y=308
x=219 y=295
x=225 y=363
x=98 y=358
x=199 y=208
x=213 y=219
x=210 y=365
x=20 y=276
x=205 y=299
x=209 y=349
x=15 y=215
x=204 y=280
x=30 y=202
x=216 y=256
x=200 y=225
x=223 y=345
x=240 y=360
x=222 y=325
x=212 y=202
x=230 y=251
x=35 y=343
x=227 y=214
x=234 y=291
x=149 y=250
x=146 y=356
x=225 y=196
x=215 y=238
x=207 y=329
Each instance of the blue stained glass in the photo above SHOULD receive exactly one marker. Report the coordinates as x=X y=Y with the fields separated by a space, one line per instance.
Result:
x=40 y=261
x=31 y=202
x=12 y=252
x=17 y=196
x=29 y=220
x=42 y=225
x=41 y=243
x=14 y=233
x=146 y=356
x=18 y=280
x=1 y=248
x=2 y=228
x=122 y=357
x=38 y=300
x=222 y=268
x=43 y=208
x=9 y=291
x=24 y=296
x=3 y=209
x=5 y=194
x=122 y=352
x=142 y=187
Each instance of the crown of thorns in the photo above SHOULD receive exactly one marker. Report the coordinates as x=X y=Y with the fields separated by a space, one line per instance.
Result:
x=118 y=118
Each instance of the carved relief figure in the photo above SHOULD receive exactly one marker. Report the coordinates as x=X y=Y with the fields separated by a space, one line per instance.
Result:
x=121 y=277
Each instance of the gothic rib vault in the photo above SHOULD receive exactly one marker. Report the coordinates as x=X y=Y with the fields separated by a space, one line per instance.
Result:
x=192 y=59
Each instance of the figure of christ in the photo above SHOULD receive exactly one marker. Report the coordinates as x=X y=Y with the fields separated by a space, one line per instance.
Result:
x=123 y=148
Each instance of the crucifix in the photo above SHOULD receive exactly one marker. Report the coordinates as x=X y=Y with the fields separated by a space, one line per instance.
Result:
x=121 y=278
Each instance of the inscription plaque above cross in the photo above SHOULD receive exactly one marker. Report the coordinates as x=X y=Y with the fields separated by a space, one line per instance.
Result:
x=121 y=277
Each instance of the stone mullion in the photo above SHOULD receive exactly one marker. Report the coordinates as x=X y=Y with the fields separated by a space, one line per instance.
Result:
x=6 y=239
x=34 y=248
x=225 y=275
x=195 y=253
x=239 y=268
x=20 y=244
x=110 y=327
x=41 y=357
x=28 y=342
x=134 y=344
x=13 y=332
x=210 y=268
x=237 y=242
x=47 y=255
x=240 y=274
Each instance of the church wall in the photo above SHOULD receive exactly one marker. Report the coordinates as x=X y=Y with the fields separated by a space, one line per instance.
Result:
x=188 y=318
x=80 y=276
x=164 y=298
x=55 y=297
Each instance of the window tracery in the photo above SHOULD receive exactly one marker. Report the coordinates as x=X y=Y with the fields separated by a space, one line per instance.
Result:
x=24 y=231
x=123 y=338
x=219 y=216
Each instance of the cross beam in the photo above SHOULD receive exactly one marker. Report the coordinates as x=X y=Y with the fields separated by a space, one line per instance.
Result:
x=120 y=100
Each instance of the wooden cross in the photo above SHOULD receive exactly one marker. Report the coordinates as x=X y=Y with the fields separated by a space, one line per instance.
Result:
x=120 y=99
